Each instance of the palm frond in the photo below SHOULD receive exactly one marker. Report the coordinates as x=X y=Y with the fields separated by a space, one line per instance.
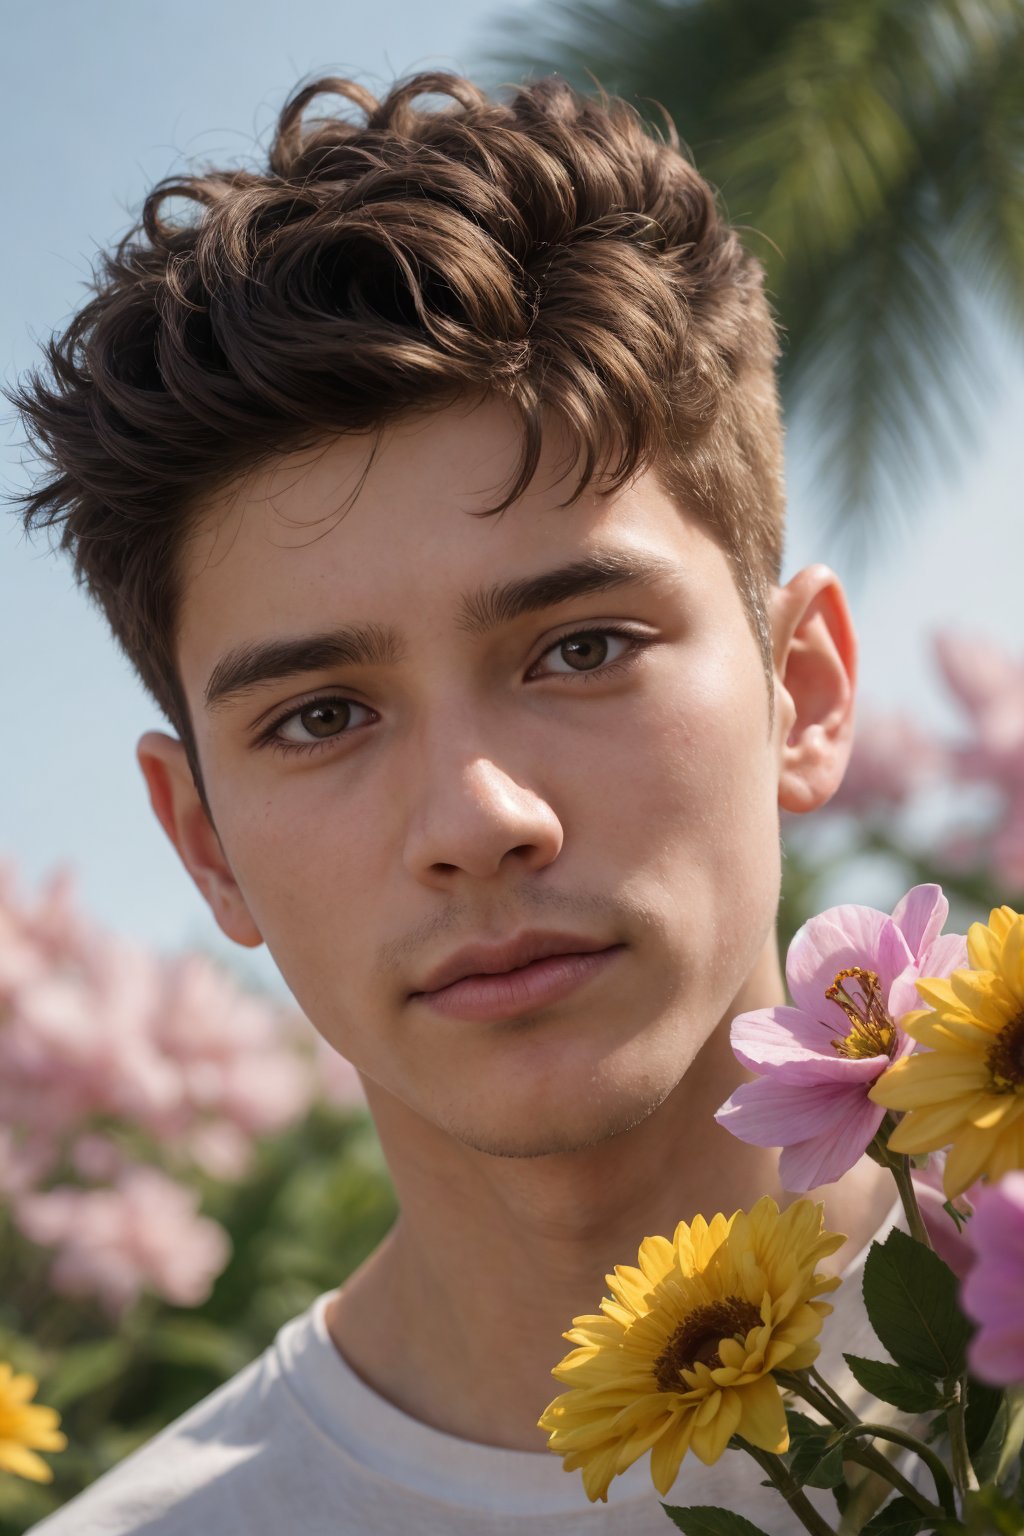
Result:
x=874 y=154
x=887 y=385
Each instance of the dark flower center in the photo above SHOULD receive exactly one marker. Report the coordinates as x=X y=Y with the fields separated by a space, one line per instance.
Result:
x=872 y=1031
x=1005 y=1059
x=699 y=1337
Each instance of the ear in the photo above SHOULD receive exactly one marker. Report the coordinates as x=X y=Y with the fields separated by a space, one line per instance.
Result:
x=815 y=650
x=181 y=813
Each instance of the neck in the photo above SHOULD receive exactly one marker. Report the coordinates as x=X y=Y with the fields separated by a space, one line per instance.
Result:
x=493 y=1257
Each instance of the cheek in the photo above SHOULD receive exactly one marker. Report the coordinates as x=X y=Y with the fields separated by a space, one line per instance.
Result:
x=699 y=816
x=305 y=878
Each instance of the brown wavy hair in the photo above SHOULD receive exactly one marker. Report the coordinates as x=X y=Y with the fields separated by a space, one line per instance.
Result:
x=549 y=249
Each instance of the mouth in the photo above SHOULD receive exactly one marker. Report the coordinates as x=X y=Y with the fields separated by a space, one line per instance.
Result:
x=490 y=997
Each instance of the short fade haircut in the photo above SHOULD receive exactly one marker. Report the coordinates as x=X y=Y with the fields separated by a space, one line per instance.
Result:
x=550 y=250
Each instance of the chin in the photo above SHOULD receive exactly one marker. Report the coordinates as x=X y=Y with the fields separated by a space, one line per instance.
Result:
x=530 y=1130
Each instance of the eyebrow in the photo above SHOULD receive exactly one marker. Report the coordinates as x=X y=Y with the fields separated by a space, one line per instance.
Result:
x=248 y=666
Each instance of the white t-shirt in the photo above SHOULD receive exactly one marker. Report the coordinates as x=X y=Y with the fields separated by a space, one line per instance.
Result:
x=298 y=1443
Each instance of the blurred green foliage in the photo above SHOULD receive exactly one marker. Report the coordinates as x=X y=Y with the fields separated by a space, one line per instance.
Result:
x=317 y=1201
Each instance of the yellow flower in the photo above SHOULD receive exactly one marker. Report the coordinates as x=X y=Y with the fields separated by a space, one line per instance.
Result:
x=24 y=1424
x=967 y=1091
x=680 y=1357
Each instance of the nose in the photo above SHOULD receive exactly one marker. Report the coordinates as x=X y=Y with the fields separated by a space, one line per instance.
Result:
x=477 y=818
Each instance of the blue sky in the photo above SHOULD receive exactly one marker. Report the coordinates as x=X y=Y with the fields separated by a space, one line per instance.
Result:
x=103 y=98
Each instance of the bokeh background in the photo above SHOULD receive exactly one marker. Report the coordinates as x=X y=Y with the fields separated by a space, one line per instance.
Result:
x=875 y=152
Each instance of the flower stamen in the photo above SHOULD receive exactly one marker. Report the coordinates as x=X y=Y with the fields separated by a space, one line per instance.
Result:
x=699 y=1336
x=872 y=1030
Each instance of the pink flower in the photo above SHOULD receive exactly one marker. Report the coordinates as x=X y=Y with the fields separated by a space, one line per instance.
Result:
x=891 y=760
x=113 y=1243
x=989 y=685
x=851 y=974
x=93 y=1027
x=992 y=1292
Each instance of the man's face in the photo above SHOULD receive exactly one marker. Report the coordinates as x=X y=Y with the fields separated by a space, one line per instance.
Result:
x=490 y=770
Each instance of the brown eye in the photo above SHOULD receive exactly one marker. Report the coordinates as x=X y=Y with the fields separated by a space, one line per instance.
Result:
x=589 y=649
x=584 y=651
x=319 y=720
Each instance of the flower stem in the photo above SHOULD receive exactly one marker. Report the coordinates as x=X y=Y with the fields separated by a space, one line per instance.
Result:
x=818 y=1394
x=873 y=1461
x=943 y=1483
x=900 y=1167
x=830 y=1392
x=831 y=1408
x=956 y=1424
x=790 y=1489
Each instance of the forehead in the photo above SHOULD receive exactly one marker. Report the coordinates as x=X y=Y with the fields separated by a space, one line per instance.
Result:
x=380 y=528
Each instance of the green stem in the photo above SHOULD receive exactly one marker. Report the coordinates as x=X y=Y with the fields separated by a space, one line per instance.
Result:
x=943 y=1483
x=834 y=1412
x=873 y=1461
x=830 y=1392
x=900 y=1167
x=822 y=1397
x=956 y=1424
x=791 y=1491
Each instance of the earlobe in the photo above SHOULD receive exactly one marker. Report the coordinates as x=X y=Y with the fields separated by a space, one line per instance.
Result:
x=816 y=674
x=180 y=811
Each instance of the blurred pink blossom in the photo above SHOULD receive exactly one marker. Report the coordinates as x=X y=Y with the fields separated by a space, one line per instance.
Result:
x=989 y=686
x=891 y=760
x=142 y=1234
x=97 y=1158
x=992 y=1292
x=93 y=1027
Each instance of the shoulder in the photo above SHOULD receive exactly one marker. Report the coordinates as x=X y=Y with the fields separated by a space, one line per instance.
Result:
x=187 y=1478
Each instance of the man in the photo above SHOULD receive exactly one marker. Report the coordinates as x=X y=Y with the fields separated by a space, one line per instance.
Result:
x=432 y=481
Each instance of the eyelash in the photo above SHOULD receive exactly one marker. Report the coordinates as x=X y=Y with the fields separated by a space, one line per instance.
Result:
x=638 y=642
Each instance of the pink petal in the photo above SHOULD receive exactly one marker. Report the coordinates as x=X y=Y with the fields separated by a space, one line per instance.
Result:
x=772 y=1114
x=824 y=1159
x=946 y=955
x=920 y=915
x=997 y=1355
x=771 y=1036
x=784 y=1044
x=841 y=937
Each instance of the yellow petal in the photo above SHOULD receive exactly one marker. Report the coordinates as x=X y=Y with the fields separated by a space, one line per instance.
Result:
x=23 y=1462
x=930 y=1077
x=995 y=1111
x=983 y=996
x=668 y=1454
x=656 y=1258
x=763 y=1419
x=937 y=1123
x=965 y=1160
x=711 y=1437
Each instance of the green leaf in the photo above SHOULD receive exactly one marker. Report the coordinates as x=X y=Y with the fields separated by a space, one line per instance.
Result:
x=899 y=1518
x=707 y=1520
x=818 y=1465
x=909 y=1390
x=86 y=1368
x=987 y=1456
x=911 y=1300
x=812 y=1461
x=983 y=1405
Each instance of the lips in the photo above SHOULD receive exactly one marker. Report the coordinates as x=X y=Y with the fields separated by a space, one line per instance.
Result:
x=492 y=959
